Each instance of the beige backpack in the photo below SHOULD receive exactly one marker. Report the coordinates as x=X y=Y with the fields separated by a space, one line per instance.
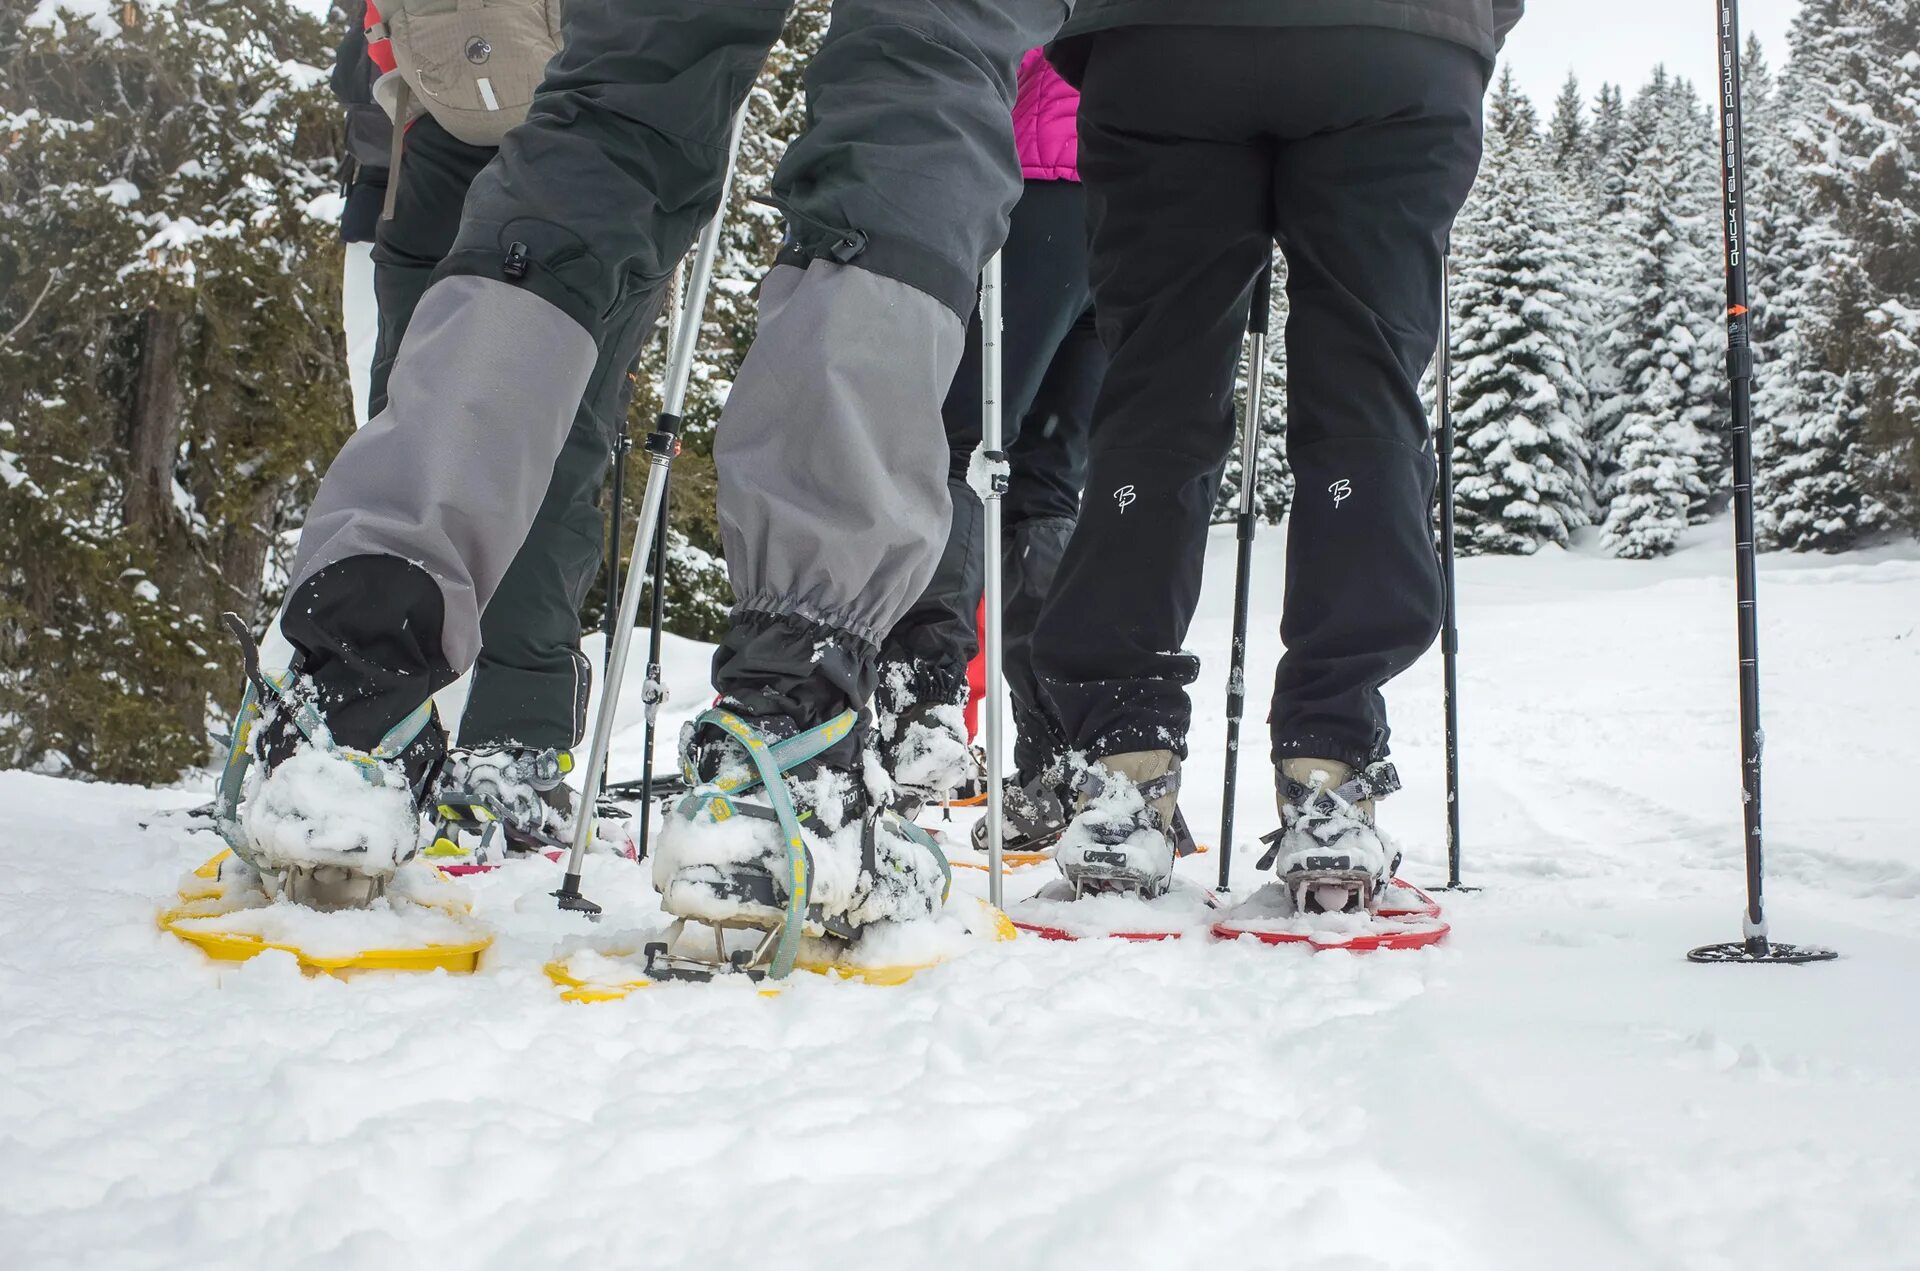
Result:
x=471 y=64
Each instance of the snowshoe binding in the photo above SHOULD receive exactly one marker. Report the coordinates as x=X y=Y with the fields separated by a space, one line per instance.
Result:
x=1327 y=852
x=326 y=825
x=1128 y=830
x=1116 y=859
x=778 y=833
x=1034 y=813
x=517 y=802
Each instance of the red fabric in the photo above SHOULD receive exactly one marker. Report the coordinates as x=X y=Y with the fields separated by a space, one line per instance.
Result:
x=1044 y=125
x=381 y=50
x=977 y=674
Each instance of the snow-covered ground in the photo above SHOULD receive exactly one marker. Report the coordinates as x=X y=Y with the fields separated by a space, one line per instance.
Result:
x=1554 y=1087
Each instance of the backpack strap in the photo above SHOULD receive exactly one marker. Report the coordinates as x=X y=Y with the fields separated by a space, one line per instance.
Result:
x=403 y=101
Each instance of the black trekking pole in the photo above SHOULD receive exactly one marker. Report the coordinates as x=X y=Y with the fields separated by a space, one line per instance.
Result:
x=1243 y=570
x=1450 y=616
x=1754 y=946
x=662 y=446
x=622 y=446
x=655 y=690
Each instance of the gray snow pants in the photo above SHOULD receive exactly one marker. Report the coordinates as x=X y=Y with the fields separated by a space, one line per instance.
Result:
x=831 y=454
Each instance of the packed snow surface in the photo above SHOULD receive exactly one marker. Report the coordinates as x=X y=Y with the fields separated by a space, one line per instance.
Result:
x=1554 y=1086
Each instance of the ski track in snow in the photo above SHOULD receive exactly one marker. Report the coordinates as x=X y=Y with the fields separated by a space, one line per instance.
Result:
x=1553 y=1087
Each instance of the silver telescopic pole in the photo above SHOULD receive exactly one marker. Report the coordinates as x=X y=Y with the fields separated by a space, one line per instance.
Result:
x=662 y=445
x=996 y=467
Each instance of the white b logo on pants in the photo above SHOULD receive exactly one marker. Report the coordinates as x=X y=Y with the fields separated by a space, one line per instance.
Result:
x=1341 y=490
x=1124 y=496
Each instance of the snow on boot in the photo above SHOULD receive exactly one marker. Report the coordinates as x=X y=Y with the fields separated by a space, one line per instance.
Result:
x=325 y=825
x=1327 y=852
x=1123 y=837
x=1033 y=813
x=921 y=740
x=778 y=832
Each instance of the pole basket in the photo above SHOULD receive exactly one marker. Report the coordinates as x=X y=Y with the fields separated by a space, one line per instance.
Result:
x=1760 y=951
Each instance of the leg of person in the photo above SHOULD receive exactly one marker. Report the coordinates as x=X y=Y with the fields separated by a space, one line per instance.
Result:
x=1049 y=467
x=407 y=247
x=919 y=712
x=434 y=177
x=586 y=209
x=831 y=457
x=1385 y=141
x=531 y=682
x=1179 y=183
x=1049 y=462
x=527 y=709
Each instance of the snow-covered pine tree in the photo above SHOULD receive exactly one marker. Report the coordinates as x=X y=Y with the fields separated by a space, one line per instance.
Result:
x=1569 y=147
x=1519 y=400
x=1865 y=180
x=170 y=360
x=1813 y=465
x=1607 y=143
x=1662 y=337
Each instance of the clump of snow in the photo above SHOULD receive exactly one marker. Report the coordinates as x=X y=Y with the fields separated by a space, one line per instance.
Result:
x=120 y=193
x=319 y=808
x=933 y=754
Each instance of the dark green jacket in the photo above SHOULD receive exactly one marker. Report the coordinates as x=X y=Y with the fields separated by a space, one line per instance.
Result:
x=1481 y=25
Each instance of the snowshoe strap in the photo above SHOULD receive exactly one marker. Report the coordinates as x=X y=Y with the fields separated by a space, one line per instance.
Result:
x=786 y=754
x=1182 y=836
x=1089 y=787
x=770 y=761
x=870 y=853
x=1375 y=781
x=233 y=773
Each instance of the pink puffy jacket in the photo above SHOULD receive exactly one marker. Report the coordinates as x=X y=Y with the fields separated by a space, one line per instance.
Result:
x=1043 y=122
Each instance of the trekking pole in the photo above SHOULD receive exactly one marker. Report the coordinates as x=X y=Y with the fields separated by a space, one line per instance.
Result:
x=662 y=445
x=996 y=470
x=622 y=447
x=1450 y=618
x=654 y=690
x=1243 y=570
x=1754 y=947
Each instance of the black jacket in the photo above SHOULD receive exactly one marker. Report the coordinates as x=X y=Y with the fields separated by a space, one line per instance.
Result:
x=1481 y=25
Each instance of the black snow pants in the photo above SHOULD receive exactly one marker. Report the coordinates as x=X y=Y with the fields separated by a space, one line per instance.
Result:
x=832 y=492
x=531 y=680
x=1050 y=372
x=1200 y=147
